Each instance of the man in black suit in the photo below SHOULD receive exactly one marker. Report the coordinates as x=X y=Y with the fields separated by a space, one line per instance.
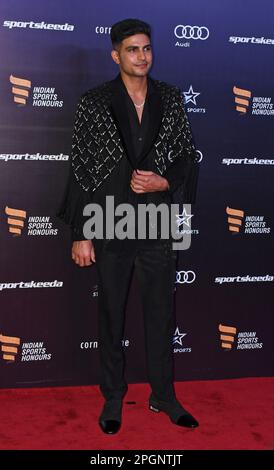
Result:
x=131 y=140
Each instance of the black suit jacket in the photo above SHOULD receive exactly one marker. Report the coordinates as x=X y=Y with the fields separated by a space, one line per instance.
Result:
x=116 y=138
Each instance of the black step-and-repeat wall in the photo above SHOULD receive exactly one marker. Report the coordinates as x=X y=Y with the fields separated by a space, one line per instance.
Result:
x=221 y=56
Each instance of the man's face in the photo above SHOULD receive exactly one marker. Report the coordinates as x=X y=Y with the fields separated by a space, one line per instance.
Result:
x=134 y=55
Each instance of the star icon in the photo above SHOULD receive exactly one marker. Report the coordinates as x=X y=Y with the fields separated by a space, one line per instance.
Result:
x=183 y=218
x=190 y=96
x=177 y=337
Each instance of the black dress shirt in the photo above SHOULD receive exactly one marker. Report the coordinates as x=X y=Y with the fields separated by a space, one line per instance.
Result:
x=138 y=129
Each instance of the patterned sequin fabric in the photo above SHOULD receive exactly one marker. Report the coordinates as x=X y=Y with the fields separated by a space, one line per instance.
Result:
x=97 y=146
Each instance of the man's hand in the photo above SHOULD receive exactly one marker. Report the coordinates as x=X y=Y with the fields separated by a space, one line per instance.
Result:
x=147 y=182
x=83 y=253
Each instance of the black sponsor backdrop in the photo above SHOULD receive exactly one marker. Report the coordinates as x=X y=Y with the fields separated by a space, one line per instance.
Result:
x=61 y=321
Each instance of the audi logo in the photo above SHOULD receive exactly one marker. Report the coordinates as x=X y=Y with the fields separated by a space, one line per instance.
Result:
x=185 y=277
x=200 y=156
x=191 y=32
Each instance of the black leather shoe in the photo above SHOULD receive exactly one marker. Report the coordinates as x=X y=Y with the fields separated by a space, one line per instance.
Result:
x=177 y=414
x=110 y=418
x=110 y=426
x=188 y=421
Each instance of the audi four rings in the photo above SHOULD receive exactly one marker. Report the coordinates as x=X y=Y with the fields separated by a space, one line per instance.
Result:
x=185 y=277
x=191 y=32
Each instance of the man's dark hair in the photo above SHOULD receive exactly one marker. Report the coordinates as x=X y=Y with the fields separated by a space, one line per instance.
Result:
x=125 y=28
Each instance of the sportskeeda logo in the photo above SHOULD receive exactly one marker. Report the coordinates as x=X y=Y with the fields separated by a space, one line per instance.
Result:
x=245 y=161
x=30 y=285
x=30 y=157
x=246 y=40
x=42 y=25
x=243 y=279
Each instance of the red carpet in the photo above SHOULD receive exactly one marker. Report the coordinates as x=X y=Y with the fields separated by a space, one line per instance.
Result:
x=233 y=414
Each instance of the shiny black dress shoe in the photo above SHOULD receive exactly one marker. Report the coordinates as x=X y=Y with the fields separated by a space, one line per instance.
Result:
x=187 y=421
x=110 y=426
x=110 y=418
x=177 y=414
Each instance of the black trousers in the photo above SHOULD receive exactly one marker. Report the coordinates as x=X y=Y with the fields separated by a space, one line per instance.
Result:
x=155 y=265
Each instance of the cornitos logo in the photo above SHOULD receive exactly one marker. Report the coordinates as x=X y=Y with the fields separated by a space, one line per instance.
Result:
x=242 y=98
x=20 y=90
x=185 y=277
x=16 y=220
x=42 y=25
x=91 y=344
x=102 y=29
x=235 y=219
x=227 y=336
x=9 y=347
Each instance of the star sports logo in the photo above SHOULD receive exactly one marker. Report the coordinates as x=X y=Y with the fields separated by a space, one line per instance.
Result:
x=183 y=219
x=190 y=95
x=178 y=337
x=190 y=98
x=183 y=222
